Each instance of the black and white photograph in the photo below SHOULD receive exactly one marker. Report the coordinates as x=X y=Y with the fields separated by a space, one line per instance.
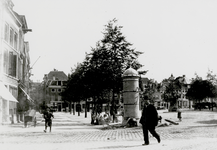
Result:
x=108 y=74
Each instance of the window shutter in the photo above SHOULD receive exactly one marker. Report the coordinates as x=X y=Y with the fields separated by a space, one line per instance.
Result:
x=14 y=65
x=10 y=69
x=6 y=61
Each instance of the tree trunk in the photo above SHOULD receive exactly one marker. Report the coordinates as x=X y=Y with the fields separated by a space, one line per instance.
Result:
x=70 y=107
x=85 y=108
x=113 y=106
x=93 y=111
x=74 y=108
x=199 y=105
x=212 y=103
x=79 y=109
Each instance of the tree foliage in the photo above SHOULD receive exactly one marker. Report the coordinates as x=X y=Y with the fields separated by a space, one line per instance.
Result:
x=201 y=89
x=151 y=87
x=111 y=57
x=101 y=72
x=171 y=93
x=75 y=89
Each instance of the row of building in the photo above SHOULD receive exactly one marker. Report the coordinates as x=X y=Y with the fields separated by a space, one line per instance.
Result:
x=55 y=81
x=14 y=64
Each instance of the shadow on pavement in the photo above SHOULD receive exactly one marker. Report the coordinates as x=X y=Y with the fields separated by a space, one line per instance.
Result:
x=68 y=129
x=202 y=126
x=117 y=147
x=208 y=122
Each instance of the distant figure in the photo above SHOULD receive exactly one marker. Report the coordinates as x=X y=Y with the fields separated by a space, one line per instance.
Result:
x=160 y=119
x=179 y=115
x=149 y=121
x=48 y=121
x=29 y=116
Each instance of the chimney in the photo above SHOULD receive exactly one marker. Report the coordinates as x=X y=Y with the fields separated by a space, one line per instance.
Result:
x=45 y=77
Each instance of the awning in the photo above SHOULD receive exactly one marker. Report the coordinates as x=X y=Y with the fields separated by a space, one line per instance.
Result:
x=5 y=94
x=28 y=97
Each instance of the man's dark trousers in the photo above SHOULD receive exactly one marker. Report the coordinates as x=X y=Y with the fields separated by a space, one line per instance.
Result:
x=151 y=129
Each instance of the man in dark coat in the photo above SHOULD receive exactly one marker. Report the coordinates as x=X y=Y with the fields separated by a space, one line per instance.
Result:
x=149 y=121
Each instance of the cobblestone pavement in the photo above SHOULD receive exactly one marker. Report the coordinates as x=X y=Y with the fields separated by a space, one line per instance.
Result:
x=196 y=131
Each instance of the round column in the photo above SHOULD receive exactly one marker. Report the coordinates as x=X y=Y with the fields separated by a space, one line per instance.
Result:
x=131 y=94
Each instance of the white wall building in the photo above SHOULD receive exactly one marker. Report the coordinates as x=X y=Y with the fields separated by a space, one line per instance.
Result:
x=12 y=29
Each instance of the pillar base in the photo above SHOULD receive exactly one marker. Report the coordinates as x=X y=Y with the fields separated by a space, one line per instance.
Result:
x=130 y=122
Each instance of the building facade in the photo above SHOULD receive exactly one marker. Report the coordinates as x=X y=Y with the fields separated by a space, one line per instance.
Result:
x=183 y=85
x=183 y=102
x=14 y=60
x=54 y=82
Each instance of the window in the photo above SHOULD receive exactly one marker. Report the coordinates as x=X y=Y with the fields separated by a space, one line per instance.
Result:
x=15 y=40
x=53 y=90
x=59 y=83
x=12 y=64
x=6 y=60
x=54 y=83
x=59 y=98
x=13 y=91
x=59 y=90
x=6 y=36
x=11 y=36
x=52 y=97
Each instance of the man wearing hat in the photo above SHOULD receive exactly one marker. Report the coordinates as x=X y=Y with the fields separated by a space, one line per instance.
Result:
x=149 y=121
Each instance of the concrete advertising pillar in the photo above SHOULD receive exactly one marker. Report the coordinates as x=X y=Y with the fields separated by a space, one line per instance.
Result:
x=131 y=96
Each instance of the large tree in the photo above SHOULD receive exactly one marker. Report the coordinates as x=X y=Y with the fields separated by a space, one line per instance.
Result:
x=201 y=89
x=211 y=77
x=74 y=90
x=101 y=72
x=171 y=93
x=110 y=58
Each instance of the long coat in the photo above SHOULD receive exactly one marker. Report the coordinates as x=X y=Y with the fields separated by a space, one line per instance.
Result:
x=149 y=116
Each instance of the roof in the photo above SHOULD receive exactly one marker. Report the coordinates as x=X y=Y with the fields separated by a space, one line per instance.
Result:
x=59 y=75
x=183 y=79
x=21 y=18
x=144 y=80
x=130 y=72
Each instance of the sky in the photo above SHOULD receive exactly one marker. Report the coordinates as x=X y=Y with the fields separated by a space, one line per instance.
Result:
x=177 y=37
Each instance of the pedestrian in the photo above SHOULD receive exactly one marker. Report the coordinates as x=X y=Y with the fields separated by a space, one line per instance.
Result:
x=48 y=119
x=179 y=115
x=149 y=121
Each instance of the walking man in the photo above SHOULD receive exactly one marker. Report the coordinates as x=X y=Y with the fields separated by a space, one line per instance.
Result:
x=48 y=120
x=149 y=121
